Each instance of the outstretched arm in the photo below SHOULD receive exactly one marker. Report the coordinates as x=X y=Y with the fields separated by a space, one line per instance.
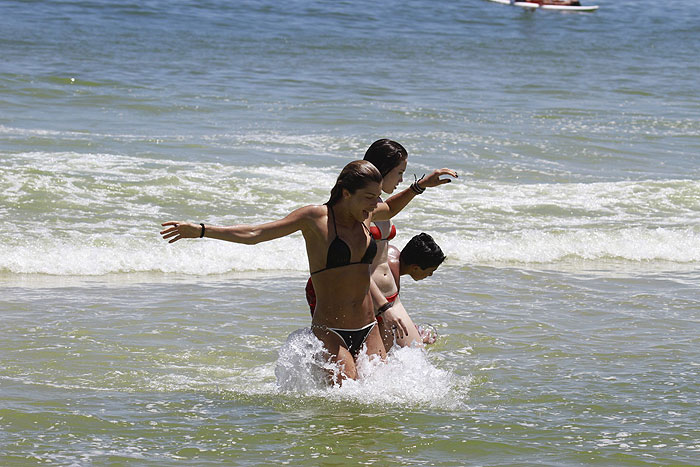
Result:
x=396 y=203
x=247 y=234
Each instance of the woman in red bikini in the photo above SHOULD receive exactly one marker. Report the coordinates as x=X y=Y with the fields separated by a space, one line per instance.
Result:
x=395 y=325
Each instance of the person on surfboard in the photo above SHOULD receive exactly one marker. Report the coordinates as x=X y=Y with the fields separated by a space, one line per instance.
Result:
x=553 y=2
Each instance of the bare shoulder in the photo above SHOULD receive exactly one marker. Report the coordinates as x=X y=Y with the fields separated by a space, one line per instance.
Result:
x=316 y=210
x=381 y=213
x=312 y=217
x=313 y=212
x=308 y=212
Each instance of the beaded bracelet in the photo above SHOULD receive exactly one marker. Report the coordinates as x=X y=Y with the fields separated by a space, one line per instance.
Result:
x=415 y=187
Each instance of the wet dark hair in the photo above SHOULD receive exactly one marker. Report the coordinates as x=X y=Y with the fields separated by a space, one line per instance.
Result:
x=354 y=176
x=386 y=154
x=422 y=251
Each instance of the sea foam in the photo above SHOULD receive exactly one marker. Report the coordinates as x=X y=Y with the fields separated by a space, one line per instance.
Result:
x=94 y=214
x=407 y=377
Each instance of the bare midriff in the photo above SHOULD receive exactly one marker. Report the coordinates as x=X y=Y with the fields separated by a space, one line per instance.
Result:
x=381 y=272
x=342 y=297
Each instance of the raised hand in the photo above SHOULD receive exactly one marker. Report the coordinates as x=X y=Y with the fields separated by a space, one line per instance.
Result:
x=434 y=178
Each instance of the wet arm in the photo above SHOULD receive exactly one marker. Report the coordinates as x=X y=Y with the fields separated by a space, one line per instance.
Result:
x=396 y=203
x=393 y=205
x=377 y=296
x=246 y=234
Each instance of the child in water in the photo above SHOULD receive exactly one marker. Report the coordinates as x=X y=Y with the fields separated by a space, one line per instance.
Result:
x=419 y=259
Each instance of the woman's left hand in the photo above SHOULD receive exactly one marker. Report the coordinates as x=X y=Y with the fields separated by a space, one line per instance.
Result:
x=434 y=178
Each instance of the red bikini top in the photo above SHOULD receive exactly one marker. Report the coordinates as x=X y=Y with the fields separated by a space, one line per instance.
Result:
x=379 y=228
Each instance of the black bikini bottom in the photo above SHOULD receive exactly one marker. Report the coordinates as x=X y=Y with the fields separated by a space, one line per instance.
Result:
x=354 y=339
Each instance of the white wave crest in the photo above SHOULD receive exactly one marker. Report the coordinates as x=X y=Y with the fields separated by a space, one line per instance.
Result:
x=635 y=244
x=96 y=256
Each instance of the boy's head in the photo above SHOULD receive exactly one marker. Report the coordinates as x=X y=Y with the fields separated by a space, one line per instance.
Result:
x=421 y=256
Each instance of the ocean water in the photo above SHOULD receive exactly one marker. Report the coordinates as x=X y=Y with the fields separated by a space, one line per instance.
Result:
x=568 y=308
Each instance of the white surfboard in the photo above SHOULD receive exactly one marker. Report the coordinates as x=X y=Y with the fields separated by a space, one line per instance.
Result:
x=502 y=2
x=527 y=5
x=570 y=8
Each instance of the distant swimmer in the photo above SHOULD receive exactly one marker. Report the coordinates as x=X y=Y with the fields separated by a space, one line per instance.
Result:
x=340 y=251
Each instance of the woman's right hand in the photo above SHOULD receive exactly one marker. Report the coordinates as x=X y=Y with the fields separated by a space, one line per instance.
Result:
x=434 y=179
x=394 y=323
x=178 y=230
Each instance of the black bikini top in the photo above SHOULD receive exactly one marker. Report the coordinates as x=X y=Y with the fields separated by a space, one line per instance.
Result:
x=339 y=253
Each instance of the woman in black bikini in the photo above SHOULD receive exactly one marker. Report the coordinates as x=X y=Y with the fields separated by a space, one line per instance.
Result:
x=340 y=251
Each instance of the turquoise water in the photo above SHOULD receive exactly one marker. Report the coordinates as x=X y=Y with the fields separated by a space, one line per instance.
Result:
x=568 y=309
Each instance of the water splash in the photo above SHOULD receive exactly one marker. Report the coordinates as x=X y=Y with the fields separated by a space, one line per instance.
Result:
x=406 y=378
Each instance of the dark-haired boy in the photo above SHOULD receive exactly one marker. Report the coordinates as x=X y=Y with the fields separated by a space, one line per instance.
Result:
x=419 y=259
